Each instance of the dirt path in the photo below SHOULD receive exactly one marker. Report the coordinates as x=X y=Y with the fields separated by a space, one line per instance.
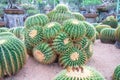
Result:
x=106 y=57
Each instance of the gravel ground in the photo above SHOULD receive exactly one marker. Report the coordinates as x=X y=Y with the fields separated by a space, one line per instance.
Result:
x=105 y=58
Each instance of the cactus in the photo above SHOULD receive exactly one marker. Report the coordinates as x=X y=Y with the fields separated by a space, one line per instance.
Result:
x=83 y=73
x=61 y=8
x=117 y=34
x=90 y=31
x=107 y=35
x=18 y=32
x=97 y=35
x=89 y=50
x=73 y=58
x=55 y=16
x=82 y=43
x=111 y=21
x=43 y=53
x=3 y=29
x=51 y=30
x=34 y=35
x=36 y=20
x=116 y=75
x=74 y=28
x=6 y=34
x=13 y=55
x=78 y=16
x=100 y=27
x=62 y=43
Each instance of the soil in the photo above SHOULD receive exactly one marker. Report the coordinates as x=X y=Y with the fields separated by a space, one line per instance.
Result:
x=105 y=59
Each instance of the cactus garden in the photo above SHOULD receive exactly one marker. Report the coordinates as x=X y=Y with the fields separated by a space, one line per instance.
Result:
x=59 y=40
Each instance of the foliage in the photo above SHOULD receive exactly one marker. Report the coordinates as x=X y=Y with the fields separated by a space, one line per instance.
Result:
x=91 y=2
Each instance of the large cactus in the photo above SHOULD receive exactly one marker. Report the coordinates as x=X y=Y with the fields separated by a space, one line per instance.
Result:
x=73 y=58
x=107 y=35
x=117 y=34
x=51 y=30
x=60 y=14
x=111 y=21
x=13 y=55
x=90 y=31
x=78 y=16
x=100 y=27
x=74 y=28
x=34 y=35
x=116 y=75
x=36 y=20
x=83 y=73
x=62 y=43
x=43 y=53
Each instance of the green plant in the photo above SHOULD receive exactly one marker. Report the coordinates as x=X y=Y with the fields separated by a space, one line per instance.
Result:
x=90 y=31
x=18 y=32
x=117 y=34
x=62 y=43
x=74 y=28
x=73 y=58
x=51 y=30
x=116 y=75
x=3 y=29
x=100 y=27
x=43 y=53
x=60 y=14
x=34 y=35
x=2 y=34
x=83 y=73
x=107 y=35
x=13 y=55
x=78 y=16
x=91 y=2
x=36 y=20
x=111 y=21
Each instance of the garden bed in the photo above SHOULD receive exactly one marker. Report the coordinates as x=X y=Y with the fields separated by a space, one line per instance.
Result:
x=105 y=59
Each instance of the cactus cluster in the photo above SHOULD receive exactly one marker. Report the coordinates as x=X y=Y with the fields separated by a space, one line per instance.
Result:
x=66 y=38
x=107 y=35
x=13 y=54
x=82 y=73
x=111 y=21
x=116 y=75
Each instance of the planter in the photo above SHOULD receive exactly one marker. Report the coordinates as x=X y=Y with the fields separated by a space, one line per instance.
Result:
x=102 y=9
x=91 y=15
x=2 y=23
x=14 y=11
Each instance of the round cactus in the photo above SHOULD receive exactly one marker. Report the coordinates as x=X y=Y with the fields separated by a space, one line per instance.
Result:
x=97 y=35
x=43 y=53
x=51 y=30
x=78 y=16
x=18 y=32
x=6 y=34
x=107 y=35
x=61 y=8
x=90 y=31
x=74 y=28
x=34 y=35
x=62 y=43
x=89 y=50
x=13 y=55
x=100 y=27
x=3 y=29
x=73 y=58
x=55 y=16
x=111 y=21
x=36 y=20
x=116 y=75
x=82 y=43
x=117 y=34
x=83 y=73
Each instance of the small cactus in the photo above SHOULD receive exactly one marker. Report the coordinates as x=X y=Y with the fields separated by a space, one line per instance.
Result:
x=116 y=75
